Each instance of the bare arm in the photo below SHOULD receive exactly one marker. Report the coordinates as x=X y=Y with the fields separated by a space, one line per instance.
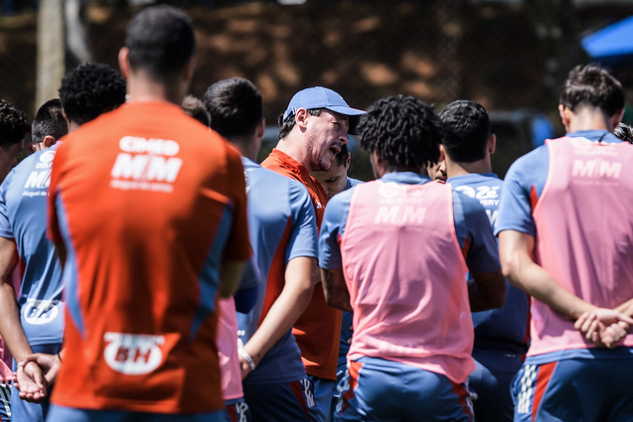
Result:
x=487 y=292
x=335 y=289
x=10 y=325
x=288 y=307
x=515 y=252
x=230 y=277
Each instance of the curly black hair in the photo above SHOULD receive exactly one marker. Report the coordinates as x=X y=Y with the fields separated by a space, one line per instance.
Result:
x=90 y=90
x=14 y=126
x=624 y=132
x=592 y=85
x=403 y=131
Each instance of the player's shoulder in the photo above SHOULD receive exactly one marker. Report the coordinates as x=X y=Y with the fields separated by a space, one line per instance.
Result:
x=342 y=200
x=526 y=163
x=466 y=206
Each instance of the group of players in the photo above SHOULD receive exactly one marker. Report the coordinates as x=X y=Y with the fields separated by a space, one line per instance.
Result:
x=190 y=287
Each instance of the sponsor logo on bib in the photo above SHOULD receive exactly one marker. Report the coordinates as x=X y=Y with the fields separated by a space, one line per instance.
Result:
x=133 y=354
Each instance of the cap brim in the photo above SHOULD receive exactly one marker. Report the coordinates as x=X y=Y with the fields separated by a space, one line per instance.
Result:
x=353 y=113
x=347 y=111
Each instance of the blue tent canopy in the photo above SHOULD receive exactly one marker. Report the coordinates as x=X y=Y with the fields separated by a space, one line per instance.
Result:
x=612 y=43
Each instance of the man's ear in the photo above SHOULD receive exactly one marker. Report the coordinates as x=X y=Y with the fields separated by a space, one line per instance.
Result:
x=492 y=143
x=617 y=119
x=301 y=117
x=124 y=61
x=49 y=141
x=260 y=130
x=565 y=114
x=189 y=68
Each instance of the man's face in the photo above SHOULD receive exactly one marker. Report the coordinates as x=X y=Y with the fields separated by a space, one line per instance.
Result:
x=334 y=180
x=326 y=134
x=437 y=171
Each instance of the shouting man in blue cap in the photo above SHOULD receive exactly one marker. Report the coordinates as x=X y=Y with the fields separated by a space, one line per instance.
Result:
x=314 y=127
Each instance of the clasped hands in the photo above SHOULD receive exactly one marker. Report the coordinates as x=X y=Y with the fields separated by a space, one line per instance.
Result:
x=34 y=374
x=604 y=327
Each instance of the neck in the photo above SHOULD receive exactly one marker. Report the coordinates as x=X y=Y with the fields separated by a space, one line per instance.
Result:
x=142 y=88
x=296 y=149
x=460 y=169
x=589 y=118
x=247 y=149
x=72 y=126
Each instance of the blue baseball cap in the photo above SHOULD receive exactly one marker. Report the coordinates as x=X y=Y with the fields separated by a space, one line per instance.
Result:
x=321 y=97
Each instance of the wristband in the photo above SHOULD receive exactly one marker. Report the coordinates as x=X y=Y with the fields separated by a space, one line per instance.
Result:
x=248 y=359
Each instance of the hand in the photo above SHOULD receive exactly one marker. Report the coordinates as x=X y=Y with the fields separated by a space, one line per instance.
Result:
x=604 y=327
x=244 y=367
x=29 y=379
x=48 y=364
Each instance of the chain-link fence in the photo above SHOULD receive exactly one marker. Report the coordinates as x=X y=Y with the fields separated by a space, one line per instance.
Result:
x=509 y=56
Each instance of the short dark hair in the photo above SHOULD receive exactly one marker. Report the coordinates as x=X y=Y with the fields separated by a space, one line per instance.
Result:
x=90 y=90
x=192 y=106
x=467 y=129
x=286 y=126
x=594 y=86
x=624 y=132
x=49 y=121
x=14 y=126
x=235 y=106
x=403 y=131
x=160 y=40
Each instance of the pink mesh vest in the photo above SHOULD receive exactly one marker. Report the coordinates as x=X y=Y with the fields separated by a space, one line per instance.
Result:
x=584 y=234
x=227 y=350
x=406 y=277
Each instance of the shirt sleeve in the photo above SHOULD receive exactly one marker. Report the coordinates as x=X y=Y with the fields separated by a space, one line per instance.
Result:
x=238 y=246
x=303 y=239
x=475 y=236
x=332 y=230
x=523 y=185
x=52 y=228
x=6 y=230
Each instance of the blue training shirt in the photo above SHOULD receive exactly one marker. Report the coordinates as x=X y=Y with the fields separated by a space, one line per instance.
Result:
x=282 y=226
x=505 y=328
x=23 y=198
x=347 y=324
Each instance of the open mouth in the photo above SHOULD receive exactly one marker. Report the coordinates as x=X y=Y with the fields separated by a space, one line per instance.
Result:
x=335 y=149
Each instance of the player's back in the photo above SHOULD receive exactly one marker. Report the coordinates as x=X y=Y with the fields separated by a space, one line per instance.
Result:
x=23 y=218
x=148 y=202
x=282 y=226
x=408 y=308
x=585 y=233
x=506 y=327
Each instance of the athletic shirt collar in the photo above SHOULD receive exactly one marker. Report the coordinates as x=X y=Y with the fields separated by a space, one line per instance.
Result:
x=405 y=178
x=290 y=163
x=595 y=135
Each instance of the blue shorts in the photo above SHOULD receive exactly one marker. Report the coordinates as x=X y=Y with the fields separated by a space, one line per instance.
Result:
x=574 y=390
x=491 y=382
x=5 y=402
x=293 y=401
x=23 y=410
x=323 y=393
x=237 y=411
x=67 y=414
x=382 y=390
